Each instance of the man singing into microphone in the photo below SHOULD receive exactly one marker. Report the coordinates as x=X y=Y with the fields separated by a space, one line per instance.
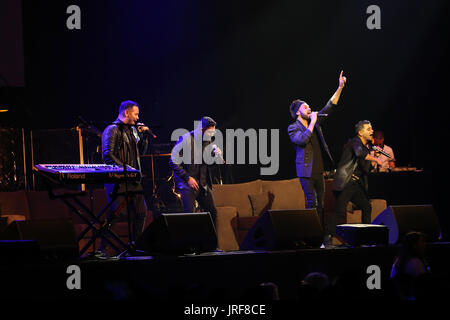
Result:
x=310 y=147
x=123 y=142
x=192 y=178
x=351 y=179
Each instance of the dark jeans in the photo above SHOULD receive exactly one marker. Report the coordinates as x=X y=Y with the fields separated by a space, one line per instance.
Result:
x=204 y=197
x=314 y=190
x=136 y=206
x=355 y=193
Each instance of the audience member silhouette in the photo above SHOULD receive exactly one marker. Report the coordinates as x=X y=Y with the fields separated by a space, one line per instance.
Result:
x=410 y=271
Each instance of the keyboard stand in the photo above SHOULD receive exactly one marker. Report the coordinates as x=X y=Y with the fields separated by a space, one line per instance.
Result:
x=99 y=227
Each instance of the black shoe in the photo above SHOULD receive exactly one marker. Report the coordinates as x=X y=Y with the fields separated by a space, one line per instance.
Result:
x=327 y=240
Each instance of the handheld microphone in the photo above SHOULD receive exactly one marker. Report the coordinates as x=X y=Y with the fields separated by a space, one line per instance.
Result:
x=322 y=114
x=214 y=148
x=140 y=124
x=378 y=149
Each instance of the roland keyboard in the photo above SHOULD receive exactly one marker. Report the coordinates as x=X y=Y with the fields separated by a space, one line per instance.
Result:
x=87 y=173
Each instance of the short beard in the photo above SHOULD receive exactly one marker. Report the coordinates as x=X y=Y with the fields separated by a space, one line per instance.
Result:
x=305 y=117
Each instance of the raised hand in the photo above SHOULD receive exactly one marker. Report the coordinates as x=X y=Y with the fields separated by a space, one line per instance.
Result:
x=342 y=80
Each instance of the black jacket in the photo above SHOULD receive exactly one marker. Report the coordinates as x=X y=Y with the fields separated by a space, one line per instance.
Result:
x=353 y=157
x=301 y=139
x=117 y=148
x=181 y=170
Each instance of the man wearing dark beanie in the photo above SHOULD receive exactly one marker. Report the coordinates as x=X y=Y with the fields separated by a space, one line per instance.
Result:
x=208 y=122
x=310 y=147
x=191 y=175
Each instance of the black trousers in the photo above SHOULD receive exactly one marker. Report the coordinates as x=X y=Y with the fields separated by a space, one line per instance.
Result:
x=204 y=197
x=314 y=190
x=356 y=193
x=136 y=207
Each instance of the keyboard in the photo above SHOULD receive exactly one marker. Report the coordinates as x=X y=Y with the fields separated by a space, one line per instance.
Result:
x=88 y=173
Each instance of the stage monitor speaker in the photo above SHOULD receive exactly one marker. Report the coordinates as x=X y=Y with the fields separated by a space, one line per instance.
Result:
x=179 y=233
x=56 y=238
x=284 y=229
x=403 y=219
x=363 y=234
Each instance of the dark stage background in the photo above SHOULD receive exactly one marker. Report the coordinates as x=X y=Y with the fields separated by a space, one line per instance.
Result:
x=242 y=63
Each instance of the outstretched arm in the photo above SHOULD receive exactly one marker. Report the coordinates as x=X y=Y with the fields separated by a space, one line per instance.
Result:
x=328 y=109
x=342 y=80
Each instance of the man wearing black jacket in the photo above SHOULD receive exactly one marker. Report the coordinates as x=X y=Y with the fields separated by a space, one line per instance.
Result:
x=351 y=179
x=191 y=174
x=122 y=143
x=311 y=148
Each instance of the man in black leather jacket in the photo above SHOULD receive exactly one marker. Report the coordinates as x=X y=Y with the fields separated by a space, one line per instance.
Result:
x=351 y=178
x=123 y=143
x=191 y=175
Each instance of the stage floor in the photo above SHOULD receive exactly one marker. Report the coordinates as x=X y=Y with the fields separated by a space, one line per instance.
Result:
x=215 y=277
